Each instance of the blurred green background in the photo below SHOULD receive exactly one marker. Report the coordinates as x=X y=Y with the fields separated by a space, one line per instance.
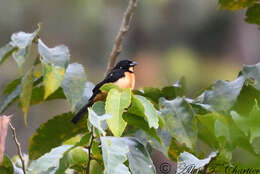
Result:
x=169 y=39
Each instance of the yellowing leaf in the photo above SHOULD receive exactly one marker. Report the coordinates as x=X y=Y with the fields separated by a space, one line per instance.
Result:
x=236 y=4
x=26 y=93
x=52 y=78
x=55 y=61
x=116 y=102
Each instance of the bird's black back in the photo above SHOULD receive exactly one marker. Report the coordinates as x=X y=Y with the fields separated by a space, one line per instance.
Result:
x=113 y=76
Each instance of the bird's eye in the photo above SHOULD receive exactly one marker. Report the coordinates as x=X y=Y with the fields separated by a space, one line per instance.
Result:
x=120 y=67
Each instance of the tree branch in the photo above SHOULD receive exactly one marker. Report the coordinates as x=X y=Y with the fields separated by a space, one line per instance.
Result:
x=117 y=48
x=18 y=147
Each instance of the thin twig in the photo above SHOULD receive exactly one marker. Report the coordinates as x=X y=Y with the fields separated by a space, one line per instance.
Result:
x=117 y=48
x=89 y=150
x=18 y=147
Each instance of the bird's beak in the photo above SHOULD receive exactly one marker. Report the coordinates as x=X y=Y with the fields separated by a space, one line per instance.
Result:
x=133 y=63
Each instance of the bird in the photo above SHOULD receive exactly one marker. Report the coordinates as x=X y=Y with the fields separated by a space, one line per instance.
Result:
x=122 y=75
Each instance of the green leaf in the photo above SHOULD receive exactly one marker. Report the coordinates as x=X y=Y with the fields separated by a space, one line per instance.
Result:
x=140 y=123
x=143 y=107
x=249 y=124
x=179 y=120
x=207 y=129
x=176 y=90
x=11 y=98
x=75 y=157
x=114 y=152
x=222 y=95
x=95 y=168
x=152 y=93
x=116 y=102
x=49 y=162
x=6 y=167
x=11 y=86
x=138 y=157
x=6 y=51
x=98 y=121
x=54 y=62
x=222 y=133
x=252 y=73
x=74 y=84
x=246 y=100
x=188 y=162
x=108 y=86
x=38 y=95
x=96 y=150
x=53 y=133
x=14 y=94
x=253 y=14
x=168 y=92
x=26 y=93
x=117 y=150
x=175 y=149
x=235 y=4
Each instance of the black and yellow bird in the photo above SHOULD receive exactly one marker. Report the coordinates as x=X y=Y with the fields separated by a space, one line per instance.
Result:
x=121 y=75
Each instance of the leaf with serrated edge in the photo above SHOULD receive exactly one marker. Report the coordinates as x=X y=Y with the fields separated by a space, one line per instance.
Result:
x=222 y=96
x=53 y=133
x=179 y=120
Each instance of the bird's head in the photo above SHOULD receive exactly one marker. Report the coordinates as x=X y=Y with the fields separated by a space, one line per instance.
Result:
x=127 y=65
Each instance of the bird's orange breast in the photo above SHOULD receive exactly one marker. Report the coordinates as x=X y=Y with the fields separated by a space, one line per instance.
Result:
x=128 y=81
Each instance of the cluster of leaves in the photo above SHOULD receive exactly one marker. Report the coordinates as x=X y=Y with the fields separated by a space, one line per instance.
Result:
x=252 y=6
x=118 y=134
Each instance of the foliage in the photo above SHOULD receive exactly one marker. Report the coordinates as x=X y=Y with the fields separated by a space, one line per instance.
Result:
x=222 y=118
x=252 y=6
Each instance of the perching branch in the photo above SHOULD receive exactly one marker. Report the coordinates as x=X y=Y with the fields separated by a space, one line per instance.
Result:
x=18 y=147
x=117 y=48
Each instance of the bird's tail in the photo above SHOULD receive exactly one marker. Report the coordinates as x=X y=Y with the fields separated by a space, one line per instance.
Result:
x=81 y=113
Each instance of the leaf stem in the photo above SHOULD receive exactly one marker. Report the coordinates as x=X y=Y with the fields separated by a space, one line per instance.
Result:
x=117 y=48
x=89 y=150
x=18 y=145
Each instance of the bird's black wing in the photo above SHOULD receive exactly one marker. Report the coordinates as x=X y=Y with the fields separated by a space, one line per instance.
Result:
x=113 y=76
